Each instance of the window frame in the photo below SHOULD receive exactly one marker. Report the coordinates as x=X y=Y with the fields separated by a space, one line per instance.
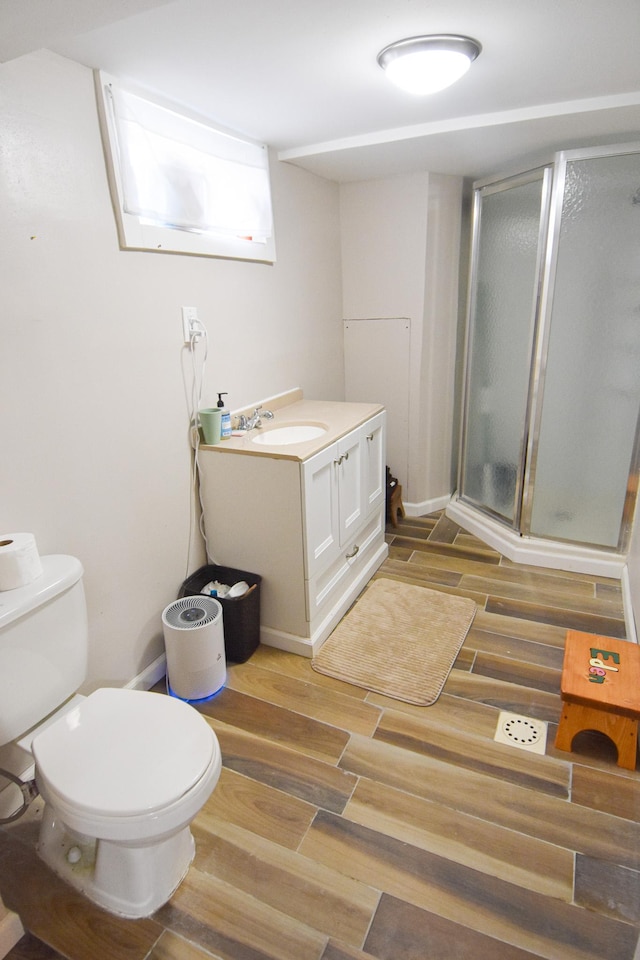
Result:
x=134 y=233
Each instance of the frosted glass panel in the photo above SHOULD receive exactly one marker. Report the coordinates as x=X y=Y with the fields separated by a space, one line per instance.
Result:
x=500 y=346
x=592 y=384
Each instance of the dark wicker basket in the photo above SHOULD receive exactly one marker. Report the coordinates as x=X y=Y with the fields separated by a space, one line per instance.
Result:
x=240 y=615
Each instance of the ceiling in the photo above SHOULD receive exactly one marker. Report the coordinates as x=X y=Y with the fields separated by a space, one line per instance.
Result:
x=302 y=76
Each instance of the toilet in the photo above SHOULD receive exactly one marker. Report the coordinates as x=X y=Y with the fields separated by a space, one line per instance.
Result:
x=122 y=773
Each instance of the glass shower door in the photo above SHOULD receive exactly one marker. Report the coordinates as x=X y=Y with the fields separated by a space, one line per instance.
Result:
x=509 y=219
x=591 y=398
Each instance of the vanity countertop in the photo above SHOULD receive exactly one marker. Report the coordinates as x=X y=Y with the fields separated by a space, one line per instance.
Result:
x=339 y=418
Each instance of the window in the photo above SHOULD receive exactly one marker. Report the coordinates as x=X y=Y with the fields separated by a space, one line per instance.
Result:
x=180 y=185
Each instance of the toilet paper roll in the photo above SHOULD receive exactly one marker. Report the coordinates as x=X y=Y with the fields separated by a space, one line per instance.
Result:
x=19 y=560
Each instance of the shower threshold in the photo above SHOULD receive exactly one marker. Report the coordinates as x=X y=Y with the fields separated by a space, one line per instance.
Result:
x=539 y=553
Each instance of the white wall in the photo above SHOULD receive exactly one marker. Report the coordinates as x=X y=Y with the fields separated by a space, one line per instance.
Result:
x=400 y=248
x=93 y=412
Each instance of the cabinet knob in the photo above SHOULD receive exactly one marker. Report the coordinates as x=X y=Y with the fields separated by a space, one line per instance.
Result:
x=369 y=436
x=350 y=556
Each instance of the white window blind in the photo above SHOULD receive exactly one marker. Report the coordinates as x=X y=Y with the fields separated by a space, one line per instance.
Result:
x=179 y=174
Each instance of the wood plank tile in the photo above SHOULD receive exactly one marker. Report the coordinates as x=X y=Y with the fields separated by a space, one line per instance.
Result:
x=402 y=930
x=465 y=716
x=399 y=553
x=445 y=531
x=305 y=698
x=30 y=948
x=463 y=838
x=509 y=670
x=486 y=905
x=504 y=696
x=611 y=791
x=555 y=594
x=529 y=812
x=304 y=890
x=259 y=808
x=505 y=570
x=570 y=619
x=420 y=527
x=452 y=550
x=607 y=888
x=235 y=926
x=277 y=723
x=419 y=581
x=81 y=930
x=482 y=755
x=420 y=573
x=514 y=648
x=340 y=951
x=609 y=590
x=172 y=947
x=522 y=629
x=292 y=665
x=289 y=771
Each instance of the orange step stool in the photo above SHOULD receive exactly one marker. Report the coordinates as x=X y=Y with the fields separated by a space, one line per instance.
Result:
x=600 y=689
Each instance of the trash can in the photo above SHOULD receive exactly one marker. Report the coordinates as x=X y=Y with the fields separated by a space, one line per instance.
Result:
x=241 y=614
x=194 y=644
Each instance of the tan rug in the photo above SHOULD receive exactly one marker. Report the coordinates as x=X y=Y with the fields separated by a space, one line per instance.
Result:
x=399 y=640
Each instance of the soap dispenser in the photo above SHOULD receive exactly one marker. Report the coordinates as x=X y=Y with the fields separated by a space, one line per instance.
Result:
x=225 y=418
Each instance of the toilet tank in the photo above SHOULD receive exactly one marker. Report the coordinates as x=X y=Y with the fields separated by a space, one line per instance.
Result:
x=43 y=645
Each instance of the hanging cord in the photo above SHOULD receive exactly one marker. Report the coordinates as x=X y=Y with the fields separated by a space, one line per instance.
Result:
x=197 y=382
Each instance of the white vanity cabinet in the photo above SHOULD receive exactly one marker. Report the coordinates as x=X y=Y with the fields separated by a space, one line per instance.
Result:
x=313 y=529
x=342 y=486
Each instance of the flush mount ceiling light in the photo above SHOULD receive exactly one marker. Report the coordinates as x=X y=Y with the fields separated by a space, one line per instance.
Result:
x=427 y=64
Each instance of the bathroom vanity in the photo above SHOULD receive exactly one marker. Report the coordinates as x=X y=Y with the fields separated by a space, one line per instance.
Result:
x=307 y=514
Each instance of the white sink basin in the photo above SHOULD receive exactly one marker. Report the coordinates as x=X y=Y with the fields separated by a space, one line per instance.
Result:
x=294 y=433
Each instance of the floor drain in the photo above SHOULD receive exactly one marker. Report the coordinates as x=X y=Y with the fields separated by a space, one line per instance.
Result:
x=523 y=732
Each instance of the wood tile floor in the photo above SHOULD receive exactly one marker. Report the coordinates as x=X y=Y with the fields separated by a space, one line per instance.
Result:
x=347 y=826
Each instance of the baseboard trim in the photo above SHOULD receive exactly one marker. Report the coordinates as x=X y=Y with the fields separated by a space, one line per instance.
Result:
x=150 y=675
x=426 y=506
x=627 y=604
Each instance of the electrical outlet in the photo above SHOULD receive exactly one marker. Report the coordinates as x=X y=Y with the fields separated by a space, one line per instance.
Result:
x=191 y=329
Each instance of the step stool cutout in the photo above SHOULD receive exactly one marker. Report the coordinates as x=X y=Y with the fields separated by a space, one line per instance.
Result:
x=526 y=733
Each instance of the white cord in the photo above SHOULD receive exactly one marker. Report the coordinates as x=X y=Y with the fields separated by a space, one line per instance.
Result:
x=194 y=428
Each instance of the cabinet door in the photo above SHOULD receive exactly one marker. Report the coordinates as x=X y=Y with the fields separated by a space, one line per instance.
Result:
x=349 y=470
x=320 y=503
x=373 y=434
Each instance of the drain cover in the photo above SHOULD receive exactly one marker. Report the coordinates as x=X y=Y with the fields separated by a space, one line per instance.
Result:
x=523 y=732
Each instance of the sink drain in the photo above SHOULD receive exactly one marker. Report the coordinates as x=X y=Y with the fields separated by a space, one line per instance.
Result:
x=523 y=732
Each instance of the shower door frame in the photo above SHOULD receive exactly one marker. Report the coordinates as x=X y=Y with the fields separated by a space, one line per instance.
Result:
x=559 y=164
x=481 y=189
x=553 y=173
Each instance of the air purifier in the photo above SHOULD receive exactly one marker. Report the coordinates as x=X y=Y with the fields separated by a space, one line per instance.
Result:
x=194 y=643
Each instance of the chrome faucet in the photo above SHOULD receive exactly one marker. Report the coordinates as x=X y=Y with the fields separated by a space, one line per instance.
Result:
x=255 y=420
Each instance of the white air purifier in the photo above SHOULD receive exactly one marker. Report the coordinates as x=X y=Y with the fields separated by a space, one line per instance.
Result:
x=194 y=643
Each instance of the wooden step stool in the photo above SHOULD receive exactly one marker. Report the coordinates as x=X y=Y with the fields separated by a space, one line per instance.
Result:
x=600 y=689
x=395 y=504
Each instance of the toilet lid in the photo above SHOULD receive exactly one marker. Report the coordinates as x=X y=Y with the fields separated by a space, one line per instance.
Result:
x=125 y=752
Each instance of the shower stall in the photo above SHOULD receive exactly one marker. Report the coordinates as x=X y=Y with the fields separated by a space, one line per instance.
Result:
x=549 y=452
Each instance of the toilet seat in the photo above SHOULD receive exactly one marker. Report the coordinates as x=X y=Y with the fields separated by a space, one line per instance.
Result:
x=125 y=754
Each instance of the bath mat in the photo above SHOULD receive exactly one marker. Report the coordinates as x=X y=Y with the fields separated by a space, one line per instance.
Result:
x=399 y=640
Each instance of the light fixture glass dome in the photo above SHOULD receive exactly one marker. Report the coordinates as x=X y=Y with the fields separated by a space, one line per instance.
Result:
x=424 y=65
